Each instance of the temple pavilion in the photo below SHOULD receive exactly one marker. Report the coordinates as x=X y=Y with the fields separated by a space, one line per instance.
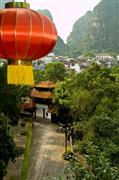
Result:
x=42 y=95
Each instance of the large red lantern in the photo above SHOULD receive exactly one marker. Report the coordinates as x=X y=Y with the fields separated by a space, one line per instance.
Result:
x=25 y=35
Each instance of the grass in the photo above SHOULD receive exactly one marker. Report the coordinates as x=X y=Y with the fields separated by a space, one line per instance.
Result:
x=12 y=178
x=25 y=164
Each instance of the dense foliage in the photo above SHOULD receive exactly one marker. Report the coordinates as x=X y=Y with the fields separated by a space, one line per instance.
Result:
x=60 y=48
x=96 y=31
x=39 y=75
x=8 y=150
x=55 y=71
x=10 y=98
x=92 y=98
x=94 y=167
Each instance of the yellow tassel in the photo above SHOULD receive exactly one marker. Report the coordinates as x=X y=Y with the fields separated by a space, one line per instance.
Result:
x=20 y=75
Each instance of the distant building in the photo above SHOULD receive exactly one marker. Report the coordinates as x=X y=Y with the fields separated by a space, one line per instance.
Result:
x=3 y=62
x=40 y=63
x=72 y=65
x=103 y=57
x=118 y=58
x=47 y=59
x=106 y=60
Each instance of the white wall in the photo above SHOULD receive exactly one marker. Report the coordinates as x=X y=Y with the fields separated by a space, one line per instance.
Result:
x=39 y=111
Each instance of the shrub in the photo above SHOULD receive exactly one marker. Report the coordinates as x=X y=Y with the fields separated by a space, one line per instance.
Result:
x=8 y=149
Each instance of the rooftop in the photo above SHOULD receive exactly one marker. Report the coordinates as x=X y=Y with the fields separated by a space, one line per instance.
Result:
x=42 y=94
x=46 y=84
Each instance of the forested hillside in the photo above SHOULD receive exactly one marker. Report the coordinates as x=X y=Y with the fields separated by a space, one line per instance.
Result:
x=96 y=31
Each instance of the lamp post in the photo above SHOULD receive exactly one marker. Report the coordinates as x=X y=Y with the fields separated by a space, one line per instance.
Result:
x=66 y=137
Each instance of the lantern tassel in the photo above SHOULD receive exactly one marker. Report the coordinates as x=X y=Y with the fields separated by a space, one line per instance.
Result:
x=20 y=74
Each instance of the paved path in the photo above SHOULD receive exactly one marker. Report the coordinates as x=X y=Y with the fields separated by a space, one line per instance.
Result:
x=46 y=161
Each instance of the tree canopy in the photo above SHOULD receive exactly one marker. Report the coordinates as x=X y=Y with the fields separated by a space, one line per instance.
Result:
x=8 y=149
x=55 y=71
x=92 y=98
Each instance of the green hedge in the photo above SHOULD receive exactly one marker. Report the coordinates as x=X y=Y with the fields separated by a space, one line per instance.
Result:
x=25 y=164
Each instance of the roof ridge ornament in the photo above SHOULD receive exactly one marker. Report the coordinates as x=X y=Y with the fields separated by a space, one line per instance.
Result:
x=14 y=4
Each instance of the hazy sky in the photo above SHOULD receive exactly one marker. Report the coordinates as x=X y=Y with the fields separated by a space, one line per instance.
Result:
x=64 y=12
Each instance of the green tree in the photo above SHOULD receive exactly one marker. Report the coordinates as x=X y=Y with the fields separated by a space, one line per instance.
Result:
x=10 y=97
x=8 y=149
x=95 y=167
x=92 y=98
x=55 y=71
x=39 y=75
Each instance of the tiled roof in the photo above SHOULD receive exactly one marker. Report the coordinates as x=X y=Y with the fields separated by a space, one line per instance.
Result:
x=46 y=84
x=42 y=94
x=26 y=106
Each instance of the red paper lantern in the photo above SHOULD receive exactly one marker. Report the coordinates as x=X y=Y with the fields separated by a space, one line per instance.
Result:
x=25 y=35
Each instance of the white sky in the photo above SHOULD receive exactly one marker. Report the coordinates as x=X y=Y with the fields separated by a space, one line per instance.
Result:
x=64 y=12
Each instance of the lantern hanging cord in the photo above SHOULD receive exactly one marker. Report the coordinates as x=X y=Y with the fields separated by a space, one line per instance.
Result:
x=19 y=62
